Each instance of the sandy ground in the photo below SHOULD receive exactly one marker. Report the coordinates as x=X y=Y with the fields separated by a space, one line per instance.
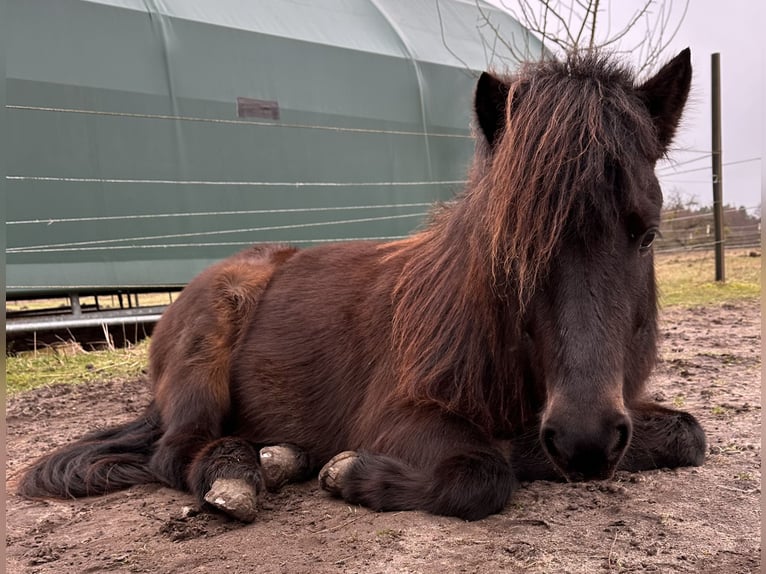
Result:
x=688 y=520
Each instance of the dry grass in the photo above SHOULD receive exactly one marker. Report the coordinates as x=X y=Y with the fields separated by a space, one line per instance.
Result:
x=104 y=301
x=688 y=279
x=69 y=363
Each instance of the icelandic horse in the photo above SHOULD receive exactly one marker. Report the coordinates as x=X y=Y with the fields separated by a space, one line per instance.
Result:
x=509 y=340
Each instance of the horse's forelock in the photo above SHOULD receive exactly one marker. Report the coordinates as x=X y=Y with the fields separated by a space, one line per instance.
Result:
x=565 y=123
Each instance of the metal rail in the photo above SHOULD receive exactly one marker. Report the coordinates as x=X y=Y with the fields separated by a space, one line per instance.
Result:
x=134 y=316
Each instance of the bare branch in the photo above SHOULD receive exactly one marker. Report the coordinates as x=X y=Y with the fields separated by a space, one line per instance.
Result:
x=587 y=24
x=570 y=40
x=661 y=47
x=629 y=26
x=513 y=49
x=546 y=9
x=583 y=24
x=444 y=41
x=592 y=43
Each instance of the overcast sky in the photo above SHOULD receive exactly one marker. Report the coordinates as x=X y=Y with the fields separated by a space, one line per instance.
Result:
x=735 y=30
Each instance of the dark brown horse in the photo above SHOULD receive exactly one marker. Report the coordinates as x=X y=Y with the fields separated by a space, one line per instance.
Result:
x=510 y=340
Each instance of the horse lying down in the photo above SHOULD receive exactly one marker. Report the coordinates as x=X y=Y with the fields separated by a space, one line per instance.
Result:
x=510 y=340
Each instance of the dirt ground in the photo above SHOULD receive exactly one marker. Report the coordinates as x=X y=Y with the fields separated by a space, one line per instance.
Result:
x=689 y=520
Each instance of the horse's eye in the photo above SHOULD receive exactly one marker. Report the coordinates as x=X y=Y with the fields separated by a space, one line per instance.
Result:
x=647 y=240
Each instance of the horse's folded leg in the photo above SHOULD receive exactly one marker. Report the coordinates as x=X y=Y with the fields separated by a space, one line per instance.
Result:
x=283 y=463
x=664 y=438
x=469 y=486
x=376 y=481
x=226 y=474
x=472 y=485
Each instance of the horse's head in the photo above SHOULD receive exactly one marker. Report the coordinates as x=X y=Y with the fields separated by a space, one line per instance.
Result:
x=575 y=206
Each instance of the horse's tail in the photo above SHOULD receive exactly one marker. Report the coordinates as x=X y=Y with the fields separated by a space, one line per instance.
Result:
x=100 y=462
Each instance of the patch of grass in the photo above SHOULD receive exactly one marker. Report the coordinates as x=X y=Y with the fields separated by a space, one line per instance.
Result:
x=389 y=534
x=688 y=279
x=68 y=363
x=743 y=476
x=679 y=401
x=719 y=411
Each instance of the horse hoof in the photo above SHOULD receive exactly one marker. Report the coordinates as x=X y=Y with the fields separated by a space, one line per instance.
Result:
x=234 y=496
x=280 y=464
x=332 y=474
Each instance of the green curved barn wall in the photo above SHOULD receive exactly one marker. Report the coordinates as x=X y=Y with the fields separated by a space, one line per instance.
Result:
x=129 y=166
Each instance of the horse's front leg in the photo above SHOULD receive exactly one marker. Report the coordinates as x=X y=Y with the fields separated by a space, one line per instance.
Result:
x=469 y=485
x=432 y=466
x=663 y=438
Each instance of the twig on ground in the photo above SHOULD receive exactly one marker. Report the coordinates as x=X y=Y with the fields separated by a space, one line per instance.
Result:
x=339 y=526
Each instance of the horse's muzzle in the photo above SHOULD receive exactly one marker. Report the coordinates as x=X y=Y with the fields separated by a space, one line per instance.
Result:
x=586 y=450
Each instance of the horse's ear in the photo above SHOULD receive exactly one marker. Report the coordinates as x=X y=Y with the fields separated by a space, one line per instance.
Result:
x=489 y=104
x=665 y=95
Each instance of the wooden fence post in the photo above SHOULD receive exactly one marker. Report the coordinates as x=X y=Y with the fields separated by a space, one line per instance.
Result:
x=717 y=166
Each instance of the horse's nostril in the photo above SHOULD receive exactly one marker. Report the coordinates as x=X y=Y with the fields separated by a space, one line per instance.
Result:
x=623 y=437
x=549 y=441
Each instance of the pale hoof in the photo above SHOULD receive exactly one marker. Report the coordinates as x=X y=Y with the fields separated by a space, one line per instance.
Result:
x=235 y=497
x=334 y=472
x=280 y=464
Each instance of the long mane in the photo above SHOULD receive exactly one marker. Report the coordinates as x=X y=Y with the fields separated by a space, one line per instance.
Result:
x=570 y=132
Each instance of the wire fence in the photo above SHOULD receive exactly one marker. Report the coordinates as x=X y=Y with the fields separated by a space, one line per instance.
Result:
x=682 y=230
